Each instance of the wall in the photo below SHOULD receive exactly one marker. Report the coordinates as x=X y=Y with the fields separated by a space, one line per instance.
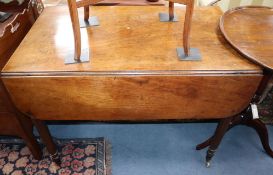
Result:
x=228 y=4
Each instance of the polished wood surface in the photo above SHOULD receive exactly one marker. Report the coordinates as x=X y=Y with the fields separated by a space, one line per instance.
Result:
x=129 y=39
x=13 y=31
x=250 y=31
x=132 y=97
x=73 y=6
x=13 y=6
x=134 y=73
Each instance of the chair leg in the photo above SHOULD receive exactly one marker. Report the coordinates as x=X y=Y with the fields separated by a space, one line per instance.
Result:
x=47 y=139
x=187 y=27
x=171 y=11
x=76 y=28
x=86 y=13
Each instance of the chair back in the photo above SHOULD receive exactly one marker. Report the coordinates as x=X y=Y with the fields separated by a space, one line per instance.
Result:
x=73 y=6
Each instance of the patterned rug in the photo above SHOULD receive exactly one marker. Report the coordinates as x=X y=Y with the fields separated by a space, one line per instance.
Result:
x=78 y=156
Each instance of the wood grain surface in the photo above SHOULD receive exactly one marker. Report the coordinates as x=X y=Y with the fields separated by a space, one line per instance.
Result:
x=134 y=73
x=132 y=97
x=128 y=39
x=12 y=33
x=14 y=123
x=250 y=31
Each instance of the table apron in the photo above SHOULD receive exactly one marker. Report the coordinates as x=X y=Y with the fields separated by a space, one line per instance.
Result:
x=132 y=97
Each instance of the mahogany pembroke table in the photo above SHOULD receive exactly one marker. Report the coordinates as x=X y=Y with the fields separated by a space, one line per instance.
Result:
x=133 y=73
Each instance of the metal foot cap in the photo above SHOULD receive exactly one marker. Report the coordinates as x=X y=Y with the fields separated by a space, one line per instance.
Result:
x=207 y=164
x=92 y=21
x=164 y=17
x=194 y=54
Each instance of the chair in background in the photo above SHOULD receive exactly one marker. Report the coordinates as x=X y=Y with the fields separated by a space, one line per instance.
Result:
x=73 y=6
x=185 y=53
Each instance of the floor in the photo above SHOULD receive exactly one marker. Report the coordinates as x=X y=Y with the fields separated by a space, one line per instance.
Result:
x=169 y=149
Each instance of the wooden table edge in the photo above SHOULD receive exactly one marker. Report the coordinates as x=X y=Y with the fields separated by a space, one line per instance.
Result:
x=132 y=73
x=222 y=29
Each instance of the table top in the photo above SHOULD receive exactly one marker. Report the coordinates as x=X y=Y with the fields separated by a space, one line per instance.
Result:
x=250 y=31
x=129 y=39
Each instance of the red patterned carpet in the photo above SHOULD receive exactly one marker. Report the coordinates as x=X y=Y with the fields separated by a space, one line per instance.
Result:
x=78 y=157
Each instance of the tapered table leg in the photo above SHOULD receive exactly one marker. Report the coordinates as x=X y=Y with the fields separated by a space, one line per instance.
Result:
x=28 y=137
x=48 y=141
x=261 y=129
x=23 y=124
x=235 y=121
x=219 y=134
x=204 y=144
x=86 y=13
x=227 y=124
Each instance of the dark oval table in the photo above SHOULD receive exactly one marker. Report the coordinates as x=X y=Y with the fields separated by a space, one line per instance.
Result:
x=249 y=30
